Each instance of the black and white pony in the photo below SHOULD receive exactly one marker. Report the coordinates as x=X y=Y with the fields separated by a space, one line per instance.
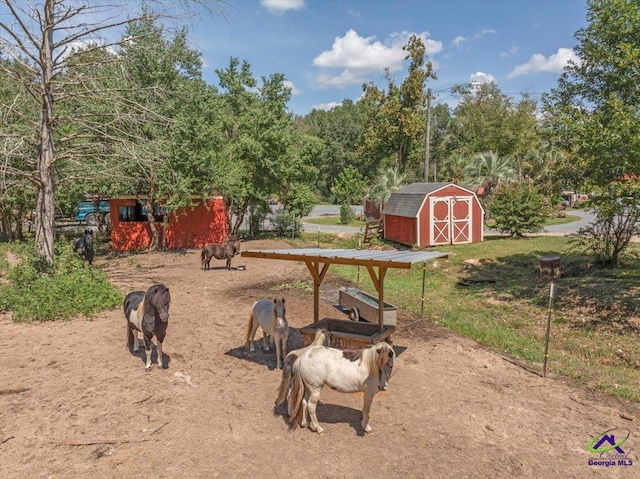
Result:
x=148 y=312
x=84 y=245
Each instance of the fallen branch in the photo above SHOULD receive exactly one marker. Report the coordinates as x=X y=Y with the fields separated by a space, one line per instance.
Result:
x=156 y=430
x=14 y=391
x=521 y=366
x=101 y=441
x=574 y=399
x=7 y=439
x=628 y=418
x=145 y=399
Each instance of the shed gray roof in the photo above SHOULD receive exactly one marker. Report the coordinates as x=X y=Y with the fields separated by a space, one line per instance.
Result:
x=407 y=201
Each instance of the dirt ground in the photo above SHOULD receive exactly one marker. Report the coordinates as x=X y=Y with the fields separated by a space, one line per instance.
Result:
x=75 y=403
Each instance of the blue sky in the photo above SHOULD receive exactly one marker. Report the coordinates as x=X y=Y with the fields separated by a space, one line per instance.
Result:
x=328 y=48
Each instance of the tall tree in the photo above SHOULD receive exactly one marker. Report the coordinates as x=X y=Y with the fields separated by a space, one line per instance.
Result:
x=488 y=120
x=40 y=38
x=396 y=120
x=594 y=113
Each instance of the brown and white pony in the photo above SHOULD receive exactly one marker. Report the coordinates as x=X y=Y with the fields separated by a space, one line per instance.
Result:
x=219 y=251
x=367 y=370
x=147 y=312
x=271 y=317
x=321 y=339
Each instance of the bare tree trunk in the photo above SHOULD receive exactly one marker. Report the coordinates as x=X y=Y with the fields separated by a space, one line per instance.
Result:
x=45 y=182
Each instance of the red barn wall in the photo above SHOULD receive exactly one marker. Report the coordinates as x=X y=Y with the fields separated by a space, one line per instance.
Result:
x=192 y=227
x=400 y=229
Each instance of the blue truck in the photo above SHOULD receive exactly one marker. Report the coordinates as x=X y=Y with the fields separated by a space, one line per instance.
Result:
x=86 y=212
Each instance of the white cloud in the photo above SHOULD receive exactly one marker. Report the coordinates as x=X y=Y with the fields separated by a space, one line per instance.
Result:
x=326 y=106
x=459 y=40
x=343 y=80
x=358 y=56
x=294 y=90
x=539 y=63
x=353 y=13
x=481 y=77
x=281 y=6
x=512 y=51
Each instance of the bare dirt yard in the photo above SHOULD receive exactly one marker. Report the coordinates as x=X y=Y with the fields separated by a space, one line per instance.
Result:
x=75 y=403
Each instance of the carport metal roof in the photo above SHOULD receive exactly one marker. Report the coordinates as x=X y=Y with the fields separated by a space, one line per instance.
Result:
x=318 y=261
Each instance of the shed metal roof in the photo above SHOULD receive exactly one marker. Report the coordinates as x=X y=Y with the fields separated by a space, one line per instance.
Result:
x=386 y=259
x=407 y=201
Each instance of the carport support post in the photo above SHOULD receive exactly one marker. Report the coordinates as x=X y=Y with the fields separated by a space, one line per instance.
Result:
x=378 y=282
x=318 y=276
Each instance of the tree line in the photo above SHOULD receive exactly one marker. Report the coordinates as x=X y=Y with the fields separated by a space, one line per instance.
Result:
x=134 y=116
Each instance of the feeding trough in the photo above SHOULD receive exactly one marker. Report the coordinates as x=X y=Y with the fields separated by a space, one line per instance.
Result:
x=348 y=334
x=366 y=306
x=344 y=333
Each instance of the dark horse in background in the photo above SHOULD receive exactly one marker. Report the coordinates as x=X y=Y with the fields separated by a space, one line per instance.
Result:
x=84 y=245
x=219 y=251
x=147 y=312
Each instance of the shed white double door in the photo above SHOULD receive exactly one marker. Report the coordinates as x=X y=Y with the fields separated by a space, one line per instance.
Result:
x=451 y=219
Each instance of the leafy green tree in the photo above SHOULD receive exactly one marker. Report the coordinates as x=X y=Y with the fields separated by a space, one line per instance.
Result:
x=395 y=118
x=262 y=154
x=594 y=116
x=488 y=120
x=350 y=187
x=387 y=181
x=488 y=170
x=340 y=130
x=518 y=208
x=594 y=113
x=40 y=39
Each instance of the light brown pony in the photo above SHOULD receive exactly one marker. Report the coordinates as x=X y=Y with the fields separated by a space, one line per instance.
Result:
x=367 y=370
x=321 y=339
x=271 y=317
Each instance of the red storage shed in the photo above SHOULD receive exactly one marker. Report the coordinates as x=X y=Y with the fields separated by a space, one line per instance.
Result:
x=432 y=214
x=193 y=227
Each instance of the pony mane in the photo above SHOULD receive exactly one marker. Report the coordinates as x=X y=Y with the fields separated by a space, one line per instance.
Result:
x=370 y=355
x=155 y=297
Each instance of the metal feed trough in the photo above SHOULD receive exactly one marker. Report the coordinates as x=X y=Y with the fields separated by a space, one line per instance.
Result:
x=344 y=333
x=362 y=305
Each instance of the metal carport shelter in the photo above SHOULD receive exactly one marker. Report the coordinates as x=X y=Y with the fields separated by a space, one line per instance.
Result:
x=318 y=261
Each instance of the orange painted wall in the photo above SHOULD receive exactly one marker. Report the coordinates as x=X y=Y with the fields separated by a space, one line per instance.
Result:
x=193 y=227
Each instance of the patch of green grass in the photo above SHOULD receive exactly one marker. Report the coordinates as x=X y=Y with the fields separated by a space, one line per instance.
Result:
x=295 y=284
x=501 y=302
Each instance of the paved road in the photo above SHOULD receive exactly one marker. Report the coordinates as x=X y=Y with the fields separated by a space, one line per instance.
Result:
x=586 y=218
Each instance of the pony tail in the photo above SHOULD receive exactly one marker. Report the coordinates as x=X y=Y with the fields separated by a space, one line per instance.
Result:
x=297 y=395
x=203 y=255
x=130 y=339
x=285 y=383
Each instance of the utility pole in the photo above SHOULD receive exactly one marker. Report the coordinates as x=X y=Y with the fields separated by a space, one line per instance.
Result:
x=427 y=138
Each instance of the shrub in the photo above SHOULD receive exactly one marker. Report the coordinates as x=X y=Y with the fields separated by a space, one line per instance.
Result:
x=518 y=208
x=347 y=214
x=286 y=224
x=617 y=221
x=39 y=291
